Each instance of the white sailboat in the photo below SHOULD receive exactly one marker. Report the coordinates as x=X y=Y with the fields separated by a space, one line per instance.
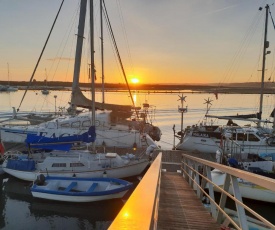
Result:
x=8 y=88
x=244 y=140
x=74 y=163
x=113 y=124
x=45 y=91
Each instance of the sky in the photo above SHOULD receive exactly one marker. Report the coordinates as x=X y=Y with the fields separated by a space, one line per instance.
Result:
x=160 y=41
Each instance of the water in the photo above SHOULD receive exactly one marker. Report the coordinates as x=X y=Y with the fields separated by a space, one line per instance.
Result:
x=19 y=210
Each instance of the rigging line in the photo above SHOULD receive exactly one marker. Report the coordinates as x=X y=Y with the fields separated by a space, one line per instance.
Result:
x=243 y=46
x=271 y=18
x=125 y=34
x=118 y=55
x=64 y=41
x=40 y=56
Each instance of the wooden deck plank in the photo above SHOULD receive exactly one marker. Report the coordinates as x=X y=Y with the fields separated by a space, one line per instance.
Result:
x=179 y=207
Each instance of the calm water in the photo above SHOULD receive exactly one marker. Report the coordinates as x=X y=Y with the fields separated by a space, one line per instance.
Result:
x=18 y=210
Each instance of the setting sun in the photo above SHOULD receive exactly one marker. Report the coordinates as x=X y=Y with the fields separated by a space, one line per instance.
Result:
x=135 y=80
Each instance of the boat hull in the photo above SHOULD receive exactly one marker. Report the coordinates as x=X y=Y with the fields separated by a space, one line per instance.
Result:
x=77 y=199
x=248 y=190
x=111 y=138
x=130 y=170
x=79 y=189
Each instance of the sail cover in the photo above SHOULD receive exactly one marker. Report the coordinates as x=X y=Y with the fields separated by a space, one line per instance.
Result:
x=60 y=143
x=78 y=99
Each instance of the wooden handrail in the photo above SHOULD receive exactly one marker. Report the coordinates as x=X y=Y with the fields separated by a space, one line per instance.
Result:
x=140 y=210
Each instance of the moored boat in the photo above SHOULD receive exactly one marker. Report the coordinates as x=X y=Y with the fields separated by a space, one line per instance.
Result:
x=248 y=190
x=74 y=189
x=77 y=163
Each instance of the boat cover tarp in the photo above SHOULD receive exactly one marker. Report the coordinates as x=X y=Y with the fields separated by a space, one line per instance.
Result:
x=60 y=143
x=21 y=165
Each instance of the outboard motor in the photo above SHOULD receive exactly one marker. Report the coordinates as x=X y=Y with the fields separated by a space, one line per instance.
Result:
x=40 y=180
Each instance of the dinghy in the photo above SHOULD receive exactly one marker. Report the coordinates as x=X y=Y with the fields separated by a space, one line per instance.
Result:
x=72 y=189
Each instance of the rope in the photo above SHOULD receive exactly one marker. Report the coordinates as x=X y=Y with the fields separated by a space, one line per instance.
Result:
x=117 y=52
x=40 y=56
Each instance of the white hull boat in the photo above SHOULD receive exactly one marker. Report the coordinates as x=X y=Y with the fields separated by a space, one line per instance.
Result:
x=79 y=189
x=76 y=163
x=248 y=190
x=123 y=136
x=246 y=140
x=116 y=125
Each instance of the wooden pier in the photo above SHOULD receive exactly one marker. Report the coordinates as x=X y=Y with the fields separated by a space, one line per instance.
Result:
x=179 y=207
x=168 y=196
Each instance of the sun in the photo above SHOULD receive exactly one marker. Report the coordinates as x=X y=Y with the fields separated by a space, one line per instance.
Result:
x=135 y=80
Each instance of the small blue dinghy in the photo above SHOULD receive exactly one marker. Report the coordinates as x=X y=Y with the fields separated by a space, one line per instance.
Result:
x=73 y=189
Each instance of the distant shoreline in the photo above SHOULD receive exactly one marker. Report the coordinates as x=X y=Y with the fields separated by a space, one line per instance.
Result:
x=236 y=88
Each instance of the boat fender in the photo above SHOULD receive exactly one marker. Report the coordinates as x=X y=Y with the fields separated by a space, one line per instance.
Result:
x=233 y=162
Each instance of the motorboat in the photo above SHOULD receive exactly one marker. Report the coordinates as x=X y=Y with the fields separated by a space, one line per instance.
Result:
x=229 y=140
x=74 y=189
x=247 y=189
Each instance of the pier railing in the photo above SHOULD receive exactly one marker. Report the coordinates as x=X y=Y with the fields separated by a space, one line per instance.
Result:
x=141 y=209
x=198 y=174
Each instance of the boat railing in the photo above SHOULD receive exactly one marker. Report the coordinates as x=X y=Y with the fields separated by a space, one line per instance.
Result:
x=197 y=173
x=142 y=215
x=231 y=147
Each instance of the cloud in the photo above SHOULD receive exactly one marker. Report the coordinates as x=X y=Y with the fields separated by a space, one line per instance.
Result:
x=222 y=9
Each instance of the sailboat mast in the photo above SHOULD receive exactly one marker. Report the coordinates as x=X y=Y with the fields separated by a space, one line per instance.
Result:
x=102 y=53
x=8 y=73
x=266 y=45
x=79 y=44
x=92 y=64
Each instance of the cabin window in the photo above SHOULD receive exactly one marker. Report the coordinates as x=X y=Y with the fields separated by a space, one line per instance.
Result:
x=59 y=165
x=242 y=137
x=86 y=123
x=65 y=125
x=252 y=137
x=233 y=137
x=76 y=164
x=76 y=124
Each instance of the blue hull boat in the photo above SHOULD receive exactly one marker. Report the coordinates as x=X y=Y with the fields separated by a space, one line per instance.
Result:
x=72 y=189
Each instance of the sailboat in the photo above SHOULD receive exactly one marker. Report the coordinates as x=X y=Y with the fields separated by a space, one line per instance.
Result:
x=73 y=163
x=8 y=88
x=233 y=138
x=114 y=127
x=45 y=91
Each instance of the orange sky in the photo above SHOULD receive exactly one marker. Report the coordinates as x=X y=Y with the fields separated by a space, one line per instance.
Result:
x=198 y=41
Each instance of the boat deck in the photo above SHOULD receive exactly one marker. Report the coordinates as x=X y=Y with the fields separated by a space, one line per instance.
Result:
x=179 y=207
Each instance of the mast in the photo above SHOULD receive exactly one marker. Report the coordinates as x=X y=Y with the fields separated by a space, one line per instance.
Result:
x=102 y=53
x=79 y=44
x=8 y=73
x=92 y=64
x=266 y=45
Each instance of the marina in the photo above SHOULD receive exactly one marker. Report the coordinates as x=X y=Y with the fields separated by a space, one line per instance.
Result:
x=16 y=193
x=136 y=156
